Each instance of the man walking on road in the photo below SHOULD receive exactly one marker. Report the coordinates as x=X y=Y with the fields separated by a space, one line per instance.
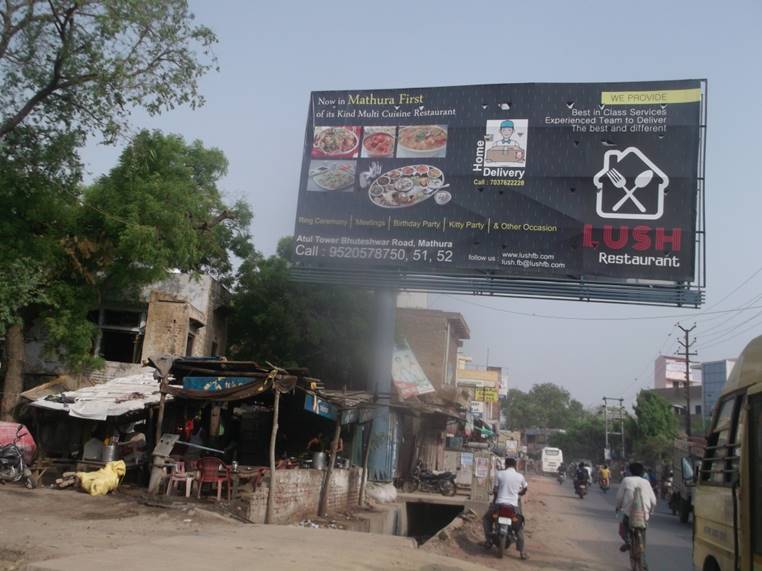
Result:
x=626 y=495
x=509 y=486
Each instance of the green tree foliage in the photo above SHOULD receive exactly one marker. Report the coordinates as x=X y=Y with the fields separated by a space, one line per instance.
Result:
x=584 y=438
x=158 y=209
x=654 y=428
x=69 y=65
x=324 y=328
x=546 y=405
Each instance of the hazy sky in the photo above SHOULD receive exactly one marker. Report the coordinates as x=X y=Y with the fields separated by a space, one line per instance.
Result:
x=273 y=54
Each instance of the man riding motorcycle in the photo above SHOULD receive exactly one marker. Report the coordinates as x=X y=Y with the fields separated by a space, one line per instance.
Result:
x=509 y=486
x=582 y=476
x=604 y=477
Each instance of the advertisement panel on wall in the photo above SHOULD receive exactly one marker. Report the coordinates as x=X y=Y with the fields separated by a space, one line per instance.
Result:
x=558 y=181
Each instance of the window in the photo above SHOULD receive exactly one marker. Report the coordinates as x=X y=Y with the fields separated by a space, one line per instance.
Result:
x=120 y=334
x=720 y=465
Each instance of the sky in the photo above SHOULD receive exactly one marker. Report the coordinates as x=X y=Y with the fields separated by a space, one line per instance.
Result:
x=273 y=54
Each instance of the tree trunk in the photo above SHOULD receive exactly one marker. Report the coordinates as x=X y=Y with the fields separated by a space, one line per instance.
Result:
x=273 y=436
x=323 y=508
x=14 y=379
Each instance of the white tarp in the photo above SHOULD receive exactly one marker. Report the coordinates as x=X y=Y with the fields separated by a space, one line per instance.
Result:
x=112 y=398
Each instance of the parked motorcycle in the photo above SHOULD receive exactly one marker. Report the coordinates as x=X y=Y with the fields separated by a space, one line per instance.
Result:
x=428 y=481
x=12 y=465
x=506 y=522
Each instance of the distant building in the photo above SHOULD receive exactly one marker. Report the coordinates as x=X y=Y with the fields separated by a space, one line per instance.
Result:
x=713 y=375
x=483 y=387
x=669 y=372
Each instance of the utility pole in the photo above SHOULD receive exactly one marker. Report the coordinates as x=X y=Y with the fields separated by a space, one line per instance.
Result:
x=618 y=417
x=687 y=344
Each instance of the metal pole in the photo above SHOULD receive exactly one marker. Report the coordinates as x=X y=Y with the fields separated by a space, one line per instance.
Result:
x=606 y=425
x=381 y=462
x=687 y=346
x=621 y=424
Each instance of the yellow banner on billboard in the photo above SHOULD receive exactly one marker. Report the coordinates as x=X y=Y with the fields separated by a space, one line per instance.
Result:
x=663 y=96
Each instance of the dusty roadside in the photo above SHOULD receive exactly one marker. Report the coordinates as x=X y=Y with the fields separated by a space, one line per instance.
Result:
x=43 y=524
x=550 y=513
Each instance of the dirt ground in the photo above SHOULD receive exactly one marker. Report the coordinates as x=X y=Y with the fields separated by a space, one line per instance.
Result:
x=43 y=524
x=548 y=518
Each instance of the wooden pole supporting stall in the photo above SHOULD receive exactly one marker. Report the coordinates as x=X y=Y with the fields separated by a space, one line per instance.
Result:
x=162 y=400
x=323 y=507
x=367 y=434
x=273 y=437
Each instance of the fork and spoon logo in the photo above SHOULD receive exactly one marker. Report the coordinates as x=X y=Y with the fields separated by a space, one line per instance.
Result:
x=605 y=205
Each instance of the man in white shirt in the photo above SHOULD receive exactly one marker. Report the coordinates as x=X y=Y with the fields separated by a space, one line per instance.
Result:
x=509 y=487
x=626 y=495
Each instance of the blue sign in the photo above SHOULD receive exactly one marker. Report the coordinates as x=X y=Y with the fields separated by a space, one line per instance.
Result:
x=320 y=407
x=215 y=384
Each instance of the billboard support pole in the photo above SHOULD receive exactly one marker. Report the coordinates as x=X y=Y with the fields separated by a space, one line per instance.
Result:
x=381 y=461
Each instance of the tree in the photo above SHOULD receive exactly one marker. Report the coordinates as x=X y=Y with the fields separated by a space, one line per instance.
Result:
x=158 y=209
x=83 y=65
x=324 y=328
x=584 y=438
x=546 y=405
x=654 y=429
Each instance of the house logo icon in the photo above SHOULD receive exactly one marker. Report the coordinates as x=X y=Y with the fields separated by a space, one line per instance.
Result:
x=630 y=186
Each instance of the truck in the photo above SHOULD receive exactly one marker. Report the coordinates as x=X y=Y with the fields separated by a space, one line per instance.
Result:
x=686 y=458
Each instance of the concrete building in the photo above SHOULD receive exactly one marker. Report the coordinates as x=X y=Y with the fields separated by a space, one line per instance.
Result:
x=434 y=337
x=669 y=372
x=676 y=398
x=183 y=315
x=713 y=376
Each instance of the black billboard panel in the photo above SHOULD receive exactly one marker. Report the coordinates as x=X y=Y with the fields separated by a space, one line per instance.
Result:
x=528 y=180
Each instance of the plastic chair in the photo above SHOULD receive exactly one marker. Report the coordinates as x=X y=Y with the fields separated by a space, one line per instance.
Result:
x=178 y=476
x=214 y=471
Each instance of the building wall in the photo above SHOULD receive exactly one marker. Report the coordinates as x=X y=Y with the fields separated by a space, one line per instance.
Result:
x=669 y=372
x=297 y=494
x=714 y=374
x=427 y=334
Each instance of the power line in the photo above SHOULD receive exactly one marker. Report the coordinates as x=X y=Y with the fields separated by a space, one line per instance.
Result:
x=739 y=286
x=571 y=318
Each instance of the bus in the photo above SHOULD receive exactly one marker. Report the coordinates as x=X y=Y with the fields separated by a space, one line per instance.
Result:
x=727 y=511
x=551 y=459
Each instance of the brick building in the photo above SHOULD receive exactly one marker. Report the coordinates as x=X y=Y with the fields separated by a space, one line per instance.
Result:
x=435 y=337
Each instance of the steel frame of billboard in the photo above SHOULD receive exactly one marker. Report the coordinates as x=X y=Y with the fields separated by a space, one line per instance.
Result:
x=583 y=288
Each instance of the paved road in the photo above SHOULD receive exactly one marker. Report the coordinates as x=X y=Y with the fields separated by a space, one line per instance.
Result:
x=669 y=541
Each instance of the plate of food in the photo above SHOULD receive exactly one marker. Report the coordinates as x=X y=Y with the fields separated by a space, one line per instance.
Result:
x=335 y=142
x=378 y=144
x=422 y=140
x=336 y=177
x=406 y=186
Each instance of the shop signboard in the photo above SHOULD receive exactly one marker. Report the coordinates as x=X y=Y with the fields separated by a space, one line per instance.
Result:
x=318 y=406
x=541 y=181
x=486 y=394
x=407 y=374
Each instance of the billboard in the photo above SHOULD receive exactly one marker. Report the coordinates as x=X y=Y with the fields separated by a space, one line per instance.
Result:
x=407 y=374
x=539 y=181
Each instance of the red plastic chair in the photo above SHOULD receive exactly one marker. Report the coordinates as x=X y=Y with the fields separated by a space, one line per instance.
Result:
x=214 y=471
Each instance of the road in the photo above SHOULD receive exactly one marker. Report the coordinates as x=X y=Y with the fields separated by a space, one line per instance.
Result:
x=668 y=541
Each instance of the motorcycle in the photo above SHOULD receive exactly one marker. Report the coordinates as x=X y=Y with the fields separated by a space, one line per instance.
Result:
x=604 y=483
x=12 y=465
x=506 y=522
x=666 y=489
x=427 y=481
x=561 y=477
x=580 y=488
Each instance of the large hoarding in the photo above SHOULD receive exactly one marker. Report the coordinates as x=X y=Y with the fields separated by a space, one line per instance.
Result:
x=561 y=181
